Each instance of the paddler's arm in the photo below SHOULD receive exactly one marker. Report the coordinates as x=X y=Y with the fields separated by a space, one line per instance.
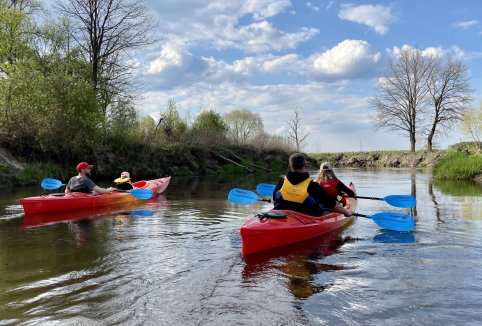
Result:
x=100 y=190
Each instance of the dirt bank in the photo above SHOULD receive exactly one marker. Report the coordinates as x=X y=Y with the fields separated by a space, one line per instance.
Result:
x=381 y=159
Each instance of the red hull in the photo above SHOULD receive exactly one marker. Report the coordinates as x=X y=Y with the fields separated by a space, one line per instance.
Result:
x=260 y=235
x=81 y=201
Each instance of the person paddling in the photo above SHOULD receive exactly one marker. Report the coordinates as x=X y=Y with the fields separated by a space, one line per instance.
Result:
x=124 y=182
x=82 y=183
x=298 y=192
x=331 y=184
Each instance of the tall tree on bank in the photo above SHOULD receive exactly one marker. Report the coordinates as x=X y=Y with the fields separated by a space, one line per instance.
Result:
x=402 y=93
x=243 y=125
x=294 y=130
x=450 y=97
x=106 y=31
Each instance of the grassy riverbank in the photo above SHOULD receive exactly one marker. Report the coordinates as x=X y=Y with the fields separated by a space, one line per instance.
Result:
x=155 y=161
x=459 y=166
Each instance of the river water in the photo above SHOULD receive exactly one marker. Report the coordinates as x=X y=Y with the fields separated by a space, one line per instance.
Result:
x=183 y=264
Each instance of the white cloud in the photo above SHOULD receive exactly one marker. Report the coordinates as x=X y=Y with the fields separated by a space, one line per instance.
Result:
x=261 y=37
x=217 y=24
x=454 y=51
x=264 y=9
x=378 y=17
x=349 y=58
x=312 y=6
x=465 y=24
x=175 y=66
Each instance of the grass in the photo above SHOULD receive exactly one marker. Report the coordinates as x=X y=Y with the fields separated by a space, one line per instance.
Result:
x=458 y=166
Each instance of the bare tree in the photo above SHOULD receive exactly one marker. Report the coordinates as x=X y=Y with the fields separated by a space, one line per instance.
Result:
x=402 y=93
x=294 y=130
x=27 y=6
x=106 y=31
x=450 y=92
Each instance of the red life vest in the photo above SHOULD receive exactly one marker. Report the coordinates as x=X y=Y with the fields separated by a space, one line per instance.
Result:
x=330 y=187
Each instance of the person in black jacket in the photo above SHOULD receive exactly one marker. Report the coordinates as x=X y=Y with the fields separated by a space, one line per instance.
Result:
x=298 y=192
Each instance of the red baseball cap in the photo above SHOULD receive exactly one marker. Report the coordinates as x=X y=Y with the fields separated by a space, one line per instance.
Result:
x=84 y=165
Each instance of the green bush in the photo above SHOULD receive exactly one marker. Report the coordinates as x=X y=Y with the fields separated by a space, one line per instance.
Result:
x=458 y=165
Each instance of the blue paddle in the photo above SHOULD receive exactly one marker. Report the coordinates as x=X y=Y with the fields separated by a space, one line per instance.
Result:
x=402 y=201
x=392 y=221
x=141 y=193
x=51 y=184
x=242 y=196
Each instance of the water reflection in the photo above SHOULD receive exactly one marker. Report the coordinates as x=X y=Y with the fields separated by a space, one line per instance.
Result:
x=297 y=263
x=394 y=237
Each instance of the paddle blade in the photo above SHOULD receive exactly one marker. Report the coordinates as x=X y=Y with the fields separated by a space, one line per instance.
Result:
x=394 y=221
x=265 y=189
x=403 y=201
x=141 y=193
x=242 y=196
x=50 y=184
x=141 y=213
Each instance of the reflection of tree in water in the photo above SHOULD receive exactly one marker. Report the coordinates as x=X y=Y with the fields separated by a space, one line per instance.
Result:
x=413 y=184
x=435 y=203
x=298 y=263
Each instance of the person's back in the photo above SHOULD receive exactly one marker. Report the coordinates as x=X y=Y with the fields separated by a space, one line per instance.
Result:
x=81 y=184
x=296 y=191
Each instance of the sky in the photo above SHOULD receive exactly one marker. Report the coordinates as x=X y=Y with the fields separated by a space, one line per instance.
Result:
x=321 y=57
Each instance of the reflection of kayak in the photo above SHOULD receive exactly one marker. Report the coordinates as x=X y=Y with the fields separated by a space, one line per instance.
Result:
x=278 y=228
x=39 y=219
x=77 y=200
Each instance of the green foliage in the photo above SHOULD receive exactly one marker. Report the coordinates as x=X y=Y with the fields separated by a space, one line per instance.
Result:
x=243 y=125
x=458 y=165
x=471 y=124
x=209 y=128
x=174 y=128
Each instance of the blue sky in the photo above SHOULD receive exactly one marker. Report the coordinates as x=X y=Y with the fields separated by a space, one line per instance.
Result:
x=322 y=57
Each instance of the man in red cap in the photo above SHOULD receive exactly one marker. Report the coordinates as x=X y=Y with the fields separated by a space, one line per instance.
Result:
x=82 y=183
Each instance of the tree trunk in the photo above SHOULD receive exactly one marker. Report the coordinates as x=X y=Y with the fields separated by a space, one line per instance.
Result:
x=412 y=141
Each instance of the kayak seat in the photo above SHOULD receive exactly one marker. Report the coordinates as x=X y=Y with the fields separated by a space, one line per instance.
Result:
x=274 y=215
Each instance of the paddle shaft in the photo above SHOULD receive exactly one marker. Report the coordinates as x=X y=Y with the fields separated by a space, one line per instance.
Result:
x=362 y=197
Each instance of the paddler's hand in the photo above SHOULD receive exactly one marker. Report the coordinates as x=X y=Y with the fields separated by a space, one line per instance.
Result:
x=348 y=213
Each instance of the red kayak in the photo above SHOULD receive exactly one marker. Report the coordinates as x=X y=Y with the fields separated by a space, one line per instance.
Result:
x=80 y=201
x=277 y=228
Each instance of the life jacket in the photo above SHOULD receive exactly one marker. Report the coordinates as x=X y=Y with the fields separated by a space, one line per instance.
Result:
x=330 y=187
x=296 y=198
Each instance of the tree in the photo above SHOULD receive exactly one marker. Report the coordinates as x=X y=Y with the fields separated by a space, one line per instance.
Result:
x=174 y=127
x=450 y=97
x=471 y=124
x=243 y=125
x=209 y=128
x=294 y=130
x=402 y=93
x=27 y=6
x=106 y=31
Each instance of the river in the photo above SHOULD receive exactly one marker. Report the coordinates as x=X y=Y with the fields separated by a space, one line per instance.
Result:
x=183 y=264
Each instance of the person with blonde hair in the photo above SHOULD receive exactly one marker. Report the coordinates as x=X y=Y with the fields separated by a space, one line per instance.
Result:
x=124 y=182
x=331 y=184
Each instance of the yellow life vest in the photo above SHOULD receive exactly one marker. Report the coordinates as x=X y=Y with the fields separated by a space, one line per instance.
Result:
x=295 y=193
